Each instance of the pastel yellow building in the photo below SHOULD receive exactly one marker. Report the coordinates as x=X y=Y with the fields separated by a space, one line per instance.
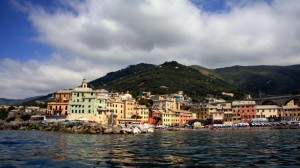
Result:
x=143 y=113
x=268 y=111
x=202 y=111
x=169 y=118
x=290 y=113
x=228 y=114
x=116 y=106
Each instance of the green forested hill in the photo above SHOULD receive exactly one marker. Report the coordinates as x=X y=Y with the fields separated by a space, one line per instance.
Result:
x=197 y=81
x=132 y=69
x=170 y=77
x=271 y=80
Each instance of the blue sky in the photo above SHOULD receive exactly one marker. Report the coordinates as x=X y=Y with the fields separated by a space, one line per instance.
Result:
x=52 y=45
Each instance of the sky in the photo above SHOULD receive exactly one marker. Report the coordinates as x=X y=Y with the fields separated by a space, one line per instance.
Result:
x=46 y=45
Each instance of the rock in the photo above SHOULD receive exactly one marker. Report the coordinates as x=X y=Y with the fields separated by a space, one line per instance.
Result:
x=91 y=131
x=117 y=130
x=70 y=127
x=108 y=131
x=127 y=130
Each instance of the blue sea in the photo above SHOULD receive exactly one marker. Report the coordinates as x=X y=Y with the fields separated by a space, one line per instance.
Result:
x=192 y=148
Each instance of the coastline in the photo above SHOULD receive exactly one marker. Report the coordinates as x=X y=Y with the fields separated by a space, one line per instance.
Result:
x=95 y=128
x=70 y=127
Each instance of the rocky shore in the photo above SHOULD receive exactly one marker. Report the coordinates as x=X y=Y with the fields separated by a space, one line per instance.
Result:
x=72 y=127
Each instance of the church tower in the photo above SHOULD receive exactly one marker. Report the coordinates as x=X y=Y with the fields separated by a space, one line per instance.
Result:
x=84 y=83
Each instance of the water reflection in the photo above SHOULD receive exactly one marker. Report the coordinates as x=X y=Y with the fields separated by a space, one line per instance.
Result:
x=188 y=148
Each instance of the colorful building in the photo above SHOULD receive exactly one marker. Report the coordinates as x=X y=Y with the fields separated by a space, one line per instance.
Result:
x=86 y=104
x=164 y=102
x=60 y=104
x=243 y=111
x=269 y=112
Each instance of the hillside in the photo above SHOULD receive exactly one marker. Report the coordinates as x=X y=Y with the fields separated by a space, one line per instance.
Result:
x=208 y=72
x=132 y=69
x=271 y=80
x=169 y=77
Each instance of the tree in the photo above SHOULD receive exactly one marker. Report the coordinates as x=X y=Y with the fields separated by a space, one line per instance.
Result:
x=147 y=102
x=25 y=117
x=3 y=113
x=11 y=108
x=136 y=117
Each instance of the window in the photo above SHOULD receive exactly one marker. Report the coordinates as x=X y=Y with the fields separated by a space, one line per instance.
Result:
x=89 y=111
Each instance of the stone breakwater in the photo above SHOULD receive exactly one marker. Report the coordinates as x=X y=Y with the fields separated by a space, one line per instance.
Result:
x=72 y=127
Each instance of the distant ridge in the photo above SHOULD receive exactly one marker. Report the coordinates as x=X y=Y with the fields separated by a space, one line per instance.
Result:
x=9 y=102
x=269 y=80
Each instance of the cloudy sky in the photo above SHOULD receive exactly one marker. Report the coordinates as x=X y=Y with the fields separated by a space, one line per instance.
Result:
x=52 y=45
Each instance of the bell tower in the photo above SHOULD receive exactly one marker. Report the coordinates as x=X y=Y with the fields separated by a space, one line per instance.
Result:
x=84 y=83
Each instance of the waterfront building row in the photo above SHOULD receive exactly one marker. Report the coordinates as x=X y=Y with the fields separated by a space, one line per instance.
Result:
x=103 y=107
x=84 y=103
x=246 y=111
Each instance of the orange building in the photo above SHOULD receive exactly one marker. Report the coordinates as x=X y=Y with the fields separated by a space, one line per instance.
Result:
x=60 y=104
x=244 y=111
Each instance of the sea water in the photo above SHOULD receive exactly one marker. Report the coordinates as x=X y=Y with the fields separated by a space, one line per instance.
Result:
x=192 y=148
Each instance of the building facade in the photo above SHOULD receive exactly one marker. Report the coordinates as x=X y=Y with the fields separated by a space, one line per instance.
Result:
x=60 y=104
x=244 y=111
x=86 y=104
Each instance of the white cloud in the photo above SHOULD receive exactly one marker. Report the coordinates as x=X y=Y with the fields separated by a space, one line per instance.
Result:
x=92 y=38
